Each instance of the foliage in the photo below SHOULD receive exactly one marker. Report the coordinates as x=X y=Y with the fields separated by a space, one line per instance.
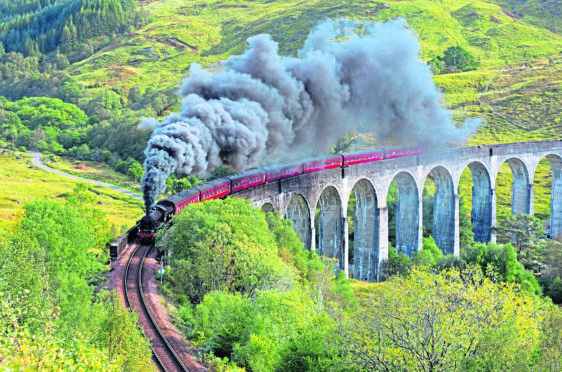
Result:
x=176 y=185
x=291 y=248
x=50 y=317
x=271 y=332
x=429 y=255
x=135 y=170
x=444 y=321
x=459 y=59
x=397 y=264
x=45 y=124
x=525 y=232
x=551 y=341
x=501 y=262
x=555 y=291
x=227 y=246
x=26 y=77
x=43 y=26
x=466 y=235
x=551 y=257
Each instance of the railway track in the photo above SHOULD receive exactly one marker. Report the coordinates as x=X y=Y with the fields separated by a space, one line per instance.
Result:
x=163 y=354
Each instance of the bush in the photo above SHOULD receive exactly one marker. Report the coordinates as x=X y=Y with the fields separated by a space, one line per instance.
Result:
x=397 y=264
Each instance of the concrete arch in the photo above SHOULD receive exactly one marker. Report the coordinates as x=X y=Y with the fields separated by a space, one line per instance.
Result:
x=408 y=227
x=267 y=207
x=298 y=212
x=366 y=235
x=556 y=196
x=444 y=209
x=520 y=188
x=331 y=227
x=483 y=203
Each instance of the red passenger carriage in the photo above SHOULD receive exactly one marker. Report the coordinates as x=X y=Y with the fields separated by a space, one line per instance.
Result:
x=325 y=162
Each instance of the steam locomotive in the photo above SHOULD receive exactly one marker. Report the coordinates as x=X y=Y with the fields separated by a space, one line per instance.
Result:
x=163 y=211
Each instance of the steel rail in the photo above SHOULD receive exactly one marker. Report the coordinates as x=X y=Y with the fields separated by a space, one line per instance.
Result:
x=150 y=319
x=168 y=346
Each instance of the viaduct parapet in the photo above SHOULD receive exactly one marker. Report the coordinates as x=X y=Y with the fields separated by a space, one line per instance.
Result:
x=296 y=199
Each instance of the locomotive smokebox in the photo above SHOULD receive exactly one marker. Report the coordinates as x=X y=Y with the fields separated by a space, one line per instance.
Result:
x=147 y=221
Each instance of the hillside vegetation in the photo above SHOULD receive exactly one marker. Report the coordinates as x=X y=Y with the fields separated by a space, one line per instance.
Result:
x=183 y=32
x=77 y=76
x=23 y=183
x=111 y=76
x=41 y=26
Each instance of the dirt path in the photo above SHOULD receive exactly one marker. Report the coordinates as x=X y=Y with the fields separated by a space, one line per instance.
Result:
x=37 y=162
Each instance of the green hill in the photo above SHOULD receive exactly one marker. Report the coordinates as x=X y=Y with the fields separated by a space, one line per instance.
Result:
x=131 y=71
x=183 y=32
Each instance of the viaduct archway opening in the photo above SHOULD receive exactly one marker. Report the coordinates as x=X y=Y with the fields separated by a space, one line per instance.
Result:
x=329 y=226
x=363 y=219
x=548 y=198
x=299 y=213
x=439 y=209
x=406 y=214
x=513 y=193
x=476 y=187
x=267 y=207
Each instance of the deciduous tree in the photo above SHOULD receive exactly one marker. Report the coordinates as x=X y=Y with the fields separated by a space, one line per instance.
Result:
x=447 y=321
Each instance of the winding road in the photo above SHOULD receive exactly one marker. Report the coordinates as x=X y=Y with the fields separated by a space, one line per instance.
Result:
x=37 y=162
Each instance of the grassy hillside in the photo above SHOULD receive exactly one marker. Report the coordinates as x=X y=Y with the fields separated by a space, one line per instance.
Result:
x=22 y=183
x=182 y=32
x=542 y=13
x=516 y=90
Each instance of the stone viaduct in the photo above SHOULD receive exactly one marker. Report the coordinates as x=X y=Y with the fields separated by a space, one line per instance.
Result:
x=297 y=198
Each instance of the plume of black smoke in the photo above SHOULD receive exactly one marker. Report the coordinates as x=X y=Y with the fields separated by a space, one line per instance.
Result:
x=261 y=105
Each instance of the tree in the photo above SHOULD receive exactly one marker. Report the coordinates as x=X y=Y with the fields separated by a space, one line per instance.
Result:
x=397 y=264
x=429 y=255
x=447 y=321
x=133 y=95
x=466 y=235
x=71 y=91
x=551 y=342
x=526 y=233
x=51 y=266
x=500 y=262
x=435 y=66
x=555 y=291
x=83 y=152
x=179 y=184
x=459 y=58
x=224 y=245
x=551 y=258
x=135 y=170
x=11 y=126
